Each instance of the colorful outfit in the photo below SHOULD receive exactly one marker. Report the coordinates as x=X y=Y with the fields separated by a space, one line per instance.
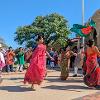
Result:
x=65 y=63
x=92 y=77
x=10 y=60
x=21 y=60
x=36 y=72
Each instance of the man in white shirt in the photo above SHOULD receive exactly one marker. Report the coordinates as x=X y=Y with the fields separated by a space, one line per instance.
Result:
x=78 y=63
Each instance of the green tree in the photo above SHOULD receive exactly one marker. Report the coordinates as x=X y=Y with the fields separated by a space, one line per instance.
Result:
x=53 y=27
x=3 y=42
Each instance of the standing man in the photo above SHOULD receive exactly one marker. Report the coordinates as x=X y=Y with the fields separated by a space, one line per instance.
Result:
x=78 y=63
x=21 y=60
x=10 y=59
x=52 y=55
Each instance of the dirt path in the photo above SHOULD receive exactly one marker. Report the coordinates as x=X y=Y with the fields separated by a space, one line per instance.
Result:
x=12 y=88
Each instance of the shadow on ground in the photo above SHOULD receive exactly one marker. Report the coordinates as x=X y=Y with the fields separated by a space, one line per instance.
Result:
x=55 y=68
x=13 y=78
x=68 y=87
x=69 y=80
x=15 y=89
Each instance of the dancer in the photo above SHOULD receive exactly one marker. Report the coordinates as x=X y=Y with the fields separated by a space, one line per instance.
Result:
x=92 y=76
x=65 y=62
x=2 y=62
x=37 y=69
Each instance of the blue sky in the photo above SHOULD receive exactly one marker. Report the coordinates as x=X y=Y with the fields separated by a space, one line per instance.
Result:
x=14 y=13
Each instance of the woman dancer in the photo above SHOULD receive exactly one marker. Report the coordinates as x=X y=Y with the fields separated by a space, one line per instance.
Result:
x=37 y=69
x=65 y=62
x=92 y=76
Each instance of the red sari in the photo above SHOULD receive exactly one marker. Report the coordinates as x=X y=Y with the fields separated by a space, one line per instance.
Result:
x=37 y=69
x=91 y=64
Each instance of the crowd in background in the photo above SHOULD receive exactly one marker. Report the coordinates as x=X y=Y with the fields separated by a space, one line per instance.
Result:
x=19 y=59
x=15 y=59
x=54 y=54
x=37 y=59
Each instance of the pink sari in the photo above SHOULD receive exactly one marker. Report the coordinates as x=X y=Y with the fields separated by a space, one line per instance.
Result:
x=37 y=69
x=91 y=64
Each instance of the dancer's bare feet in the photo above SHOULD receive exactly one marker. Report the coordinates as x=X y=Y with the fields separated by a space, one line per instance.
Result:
x=32 y=87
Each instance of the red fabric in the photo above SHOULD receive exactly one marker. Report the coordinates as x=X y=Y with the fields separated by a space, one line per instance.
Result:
x=87 y=30
x=10 y=58
x=91 y=62
x=37 y=69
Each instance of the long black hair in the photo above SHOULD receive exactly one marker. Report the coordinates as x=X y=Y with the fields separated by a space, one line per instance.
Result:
x=39 y=37
x=90 y=42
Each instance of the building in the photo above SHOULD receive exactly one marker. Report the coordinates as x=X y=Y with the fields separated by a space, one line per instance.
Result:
x=96 y=18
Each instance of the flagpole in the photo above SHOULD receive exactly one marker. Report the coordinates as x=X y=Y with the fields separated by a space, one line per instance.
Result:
x=83 y=21
x=83 y=39
x=82 y=12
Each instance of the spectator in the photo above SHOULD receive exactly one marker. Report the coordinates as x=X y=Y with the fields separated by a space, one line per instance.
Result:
x=56 y=58
x=10 y=59
x=78 y=63
x=2 y=62
x=21 y=60
x=52 y=55
x=28 y=56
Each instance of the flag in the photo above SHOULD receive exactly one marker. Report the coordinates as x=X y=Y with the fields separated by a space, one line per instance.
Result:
x=87 y=30
x=81 y=30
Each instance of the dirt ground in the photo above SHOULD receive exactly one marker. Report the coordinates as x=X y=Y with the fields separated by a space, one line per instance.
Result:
x=12 y=88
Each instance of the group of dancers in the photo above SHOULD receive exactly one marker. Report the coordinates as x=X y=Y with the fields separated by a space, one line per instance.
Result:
x=36 y=71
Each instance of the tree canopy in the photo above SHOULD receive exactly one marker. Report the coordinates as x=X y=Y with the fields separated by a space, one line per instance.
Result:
x=53 y=27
